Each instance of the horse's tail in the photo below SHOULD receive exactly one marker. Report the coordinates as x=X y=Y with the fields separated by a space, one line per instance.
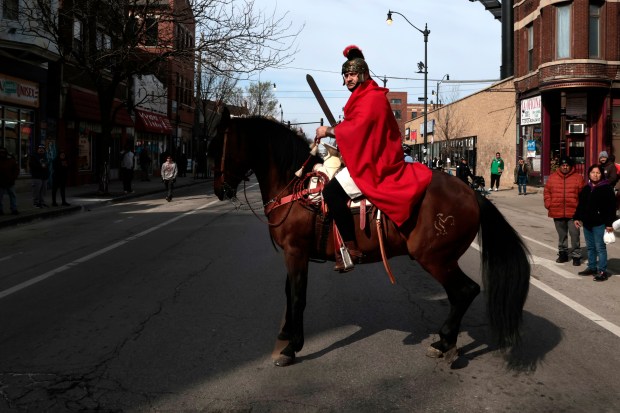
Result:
x=505 y=272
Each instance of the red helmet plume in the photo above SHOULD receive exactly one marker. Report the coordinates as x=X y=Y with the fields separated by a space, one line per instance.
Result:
x=352 y=51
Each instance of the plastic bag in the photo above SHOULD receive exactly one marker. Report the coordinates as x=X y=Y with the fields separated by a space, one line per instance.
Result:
x=609 y=238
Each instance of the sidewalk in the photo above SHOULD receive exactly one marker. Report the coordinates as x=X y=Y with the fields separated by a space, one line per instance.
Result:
x=83 y=197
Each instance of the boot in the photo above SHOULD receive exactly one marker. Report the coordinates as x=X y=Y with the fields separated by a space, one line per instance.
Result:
x=563 y=257
x=354 y=252
x=576 y=261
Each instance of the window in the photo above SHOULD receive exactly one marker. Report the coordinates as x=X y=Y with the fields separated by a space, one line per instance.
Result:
x=530 y=48
x=396 y=101
x=77 y=36
x=397 y=114
x=10 y=9
x=562 y=31
x=152 y=31
x=104 y=41
x=414 y=114
x=594 y=32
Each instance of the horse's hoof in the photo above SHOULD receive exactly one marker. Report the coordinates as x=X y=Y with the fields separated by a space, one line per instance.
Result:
x=449 y=355
x=283 y=361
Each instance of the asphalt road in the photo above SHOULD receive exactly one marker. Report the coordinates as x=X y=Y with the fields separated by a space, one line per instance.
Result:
x=149 y=306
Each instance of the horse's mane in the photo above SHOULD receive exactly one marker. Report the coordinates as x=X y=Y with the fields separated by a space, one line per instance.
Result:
x=289 y=150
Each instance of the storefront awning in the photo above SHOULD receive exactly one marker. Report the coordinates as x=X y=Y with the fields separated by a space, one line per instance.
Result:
x=85 y=106
x=152 y=122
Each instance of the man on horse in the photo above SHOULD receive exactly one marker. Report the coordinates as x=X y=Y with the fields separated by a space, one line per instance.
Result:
x=371 y=145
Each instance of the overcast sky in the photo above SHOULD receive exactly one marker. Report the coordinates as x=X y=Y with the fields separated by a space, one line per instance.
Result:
x=464 y=42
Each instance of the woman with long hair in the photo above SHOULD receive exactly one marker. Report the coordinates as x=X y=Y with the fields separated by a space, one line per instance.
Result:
x=596 y=213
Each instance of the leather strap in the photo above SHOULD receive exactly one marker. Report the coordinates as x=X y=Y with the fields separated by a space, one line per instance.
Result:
x=386 y=264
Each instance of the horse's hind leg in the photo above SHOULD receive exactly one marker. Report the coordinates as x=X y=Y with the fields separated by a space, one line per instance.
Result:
x=461 y=291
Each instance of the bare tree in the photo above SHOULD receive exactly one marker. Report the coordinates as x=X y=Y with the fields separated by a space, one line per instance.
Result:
x=261 y=100
x=449 y=124
x=105 y=43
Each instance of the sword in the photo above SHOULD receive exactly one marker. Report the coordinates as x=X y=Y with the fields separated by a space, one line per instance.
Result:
x=321 y=100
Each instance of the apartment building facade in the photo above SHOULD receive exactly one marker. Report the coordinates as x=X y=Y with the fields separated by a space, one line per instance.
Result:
x=567 y=80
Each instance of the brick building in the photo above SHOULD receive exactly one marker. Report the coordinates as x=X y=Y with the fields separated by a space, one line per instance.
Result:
x=567 y=80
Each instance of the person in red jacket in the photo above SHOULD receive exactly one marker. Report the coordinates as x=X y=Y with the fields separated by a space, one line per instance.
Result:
x=561 y=197
x=370 y=143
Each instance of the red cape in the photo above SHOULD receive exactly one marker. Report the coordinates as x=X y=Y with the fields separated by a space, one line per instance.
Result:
x=370 y=142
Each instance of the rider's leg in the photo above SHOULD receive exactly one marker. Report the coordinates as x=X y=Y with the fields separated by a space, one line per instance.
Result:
x=337 y=199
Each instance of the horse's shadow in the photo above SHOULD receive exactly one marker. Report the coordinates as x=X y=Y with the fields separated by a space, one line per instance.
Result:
x=429 y=304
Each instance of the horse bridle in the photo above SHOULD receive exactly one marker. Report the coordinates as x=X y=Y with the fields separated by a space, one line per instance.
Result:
x=220 y=173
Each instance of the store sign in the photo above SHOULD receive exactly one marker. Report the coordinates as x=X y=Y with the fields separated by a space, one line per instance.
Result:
x=531 y=112
x=19 y=91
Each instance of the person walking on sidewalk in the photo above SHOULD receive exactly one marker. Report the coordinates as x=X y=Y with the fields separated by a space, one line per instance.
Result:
x=169 y=173
x=40 y=172
x=522 y=174
x=497 y=167
x=9 y=171
x=127 y=165
x=561 y=196
x=463 y=172
x=608 y=168
x=596 y=213
x=59 y=178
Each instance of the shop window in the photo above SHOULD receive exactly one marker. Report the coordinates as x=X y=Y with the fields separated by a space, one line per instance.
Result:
x=615 y=122
x=85 y=151
x=562 y=31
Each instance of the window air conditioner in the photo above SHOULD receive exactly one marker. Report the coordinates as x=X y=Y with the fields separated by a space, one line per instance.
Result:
x=577 y=128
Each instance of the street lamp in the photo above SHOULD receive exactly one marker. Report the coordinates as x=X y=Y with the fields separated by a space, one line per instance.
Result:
x=445 y=77
x=422 y=68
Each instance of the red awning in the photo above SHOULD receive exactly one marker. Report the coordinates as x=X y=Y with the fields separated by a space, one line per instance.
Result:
x=152 y=122
x=86 y=106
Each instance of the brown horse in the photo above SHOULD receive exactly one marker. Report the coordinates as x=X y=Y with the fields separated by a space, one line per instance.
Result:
x=440 y=230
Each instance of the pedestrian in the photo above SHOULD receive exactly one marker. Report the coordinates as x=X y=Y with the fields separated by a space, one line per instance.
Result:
x=9 y=171
x=463 y=172
x=59 y=178
x=40 y=172
x=440 y=164
x=497 y=167
x=127 y=166
x=608 y=167
x=370 y=143
x=408 y=157
x=145 y=163
x=522 y=174
x=596 y=213
x=561 y=196
x=169 y=173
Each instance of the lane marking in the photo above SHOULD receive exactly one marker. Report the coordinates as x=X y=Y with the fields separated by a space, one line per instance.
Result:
x=587 y=313
x=538 y=242
x=95 y=254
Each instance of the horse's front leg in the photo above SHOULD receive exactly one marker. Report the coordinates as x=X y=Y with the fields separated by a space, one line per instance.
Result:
x=296 y=287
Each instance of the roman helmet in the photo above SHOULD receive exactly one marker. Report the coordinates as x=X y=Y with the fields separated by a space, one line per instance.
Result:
x=355 y=63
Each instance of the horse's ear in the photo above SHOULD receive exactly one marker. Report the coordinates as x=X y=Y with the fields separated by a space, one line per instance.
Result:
x=224 y=119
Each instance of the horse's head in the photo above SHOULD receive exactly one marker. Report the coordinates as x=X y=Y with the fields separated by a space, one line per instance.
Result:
x=229 y=154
